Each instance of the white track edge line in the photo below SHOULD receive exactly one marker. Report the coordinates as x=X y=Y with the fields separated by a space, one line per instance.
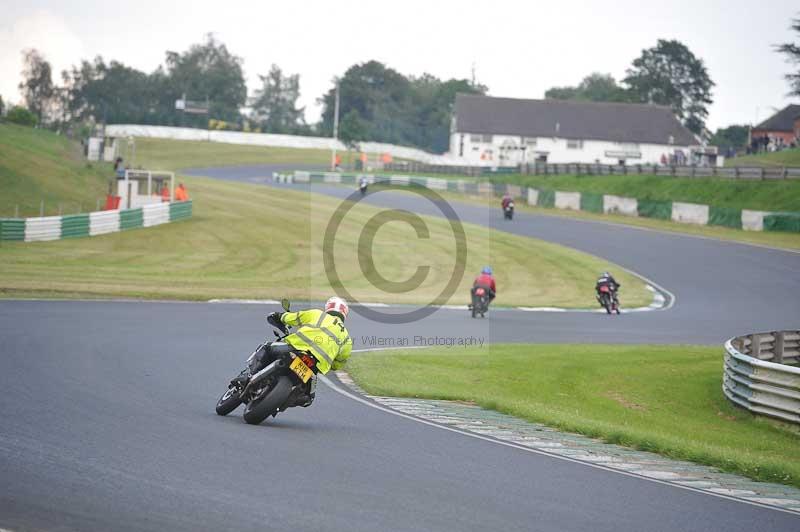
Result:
x=382 y=408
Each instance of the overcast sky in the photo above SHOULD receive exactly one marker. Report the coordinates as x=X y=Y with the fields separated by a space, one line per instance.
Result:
x=519 y=49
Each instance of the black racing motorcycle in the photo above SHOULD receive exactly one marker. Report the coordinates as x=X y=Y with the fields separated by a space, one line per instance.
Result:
x=276 y=378
x=607 y=299
x=480 y=302
x=508 y=211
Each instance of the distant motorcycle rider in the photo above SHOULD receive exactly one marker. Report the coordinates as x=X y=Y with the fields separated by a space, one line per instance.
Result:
x=486 y=281
x=362 y=185
x=319 y=333
x=506 y=200
x=606 y=279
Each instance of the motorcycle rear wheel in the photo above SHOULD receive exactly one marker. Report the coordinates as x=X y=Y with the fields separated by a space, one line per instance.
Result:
x=260 y=409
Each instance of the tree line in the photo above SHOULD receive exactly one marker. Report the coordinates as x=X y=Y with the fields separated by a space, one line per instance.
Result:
x=377 y=103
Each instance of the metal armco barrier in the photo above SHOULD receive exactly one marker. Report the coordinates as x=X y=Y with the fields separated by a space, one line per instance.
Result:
x=761 y=373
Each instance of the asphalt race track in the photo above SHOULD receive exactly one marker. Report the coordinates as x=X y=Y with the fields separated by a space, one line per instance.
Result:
x=108 y=423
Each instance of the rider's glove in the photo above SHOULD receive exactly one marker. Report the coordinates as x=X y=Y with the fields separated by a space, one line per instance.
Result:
x=274 y=318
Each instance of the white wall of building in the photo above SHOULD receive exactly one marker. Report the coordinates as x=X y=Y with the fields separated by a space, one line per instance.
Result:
x=504 y=150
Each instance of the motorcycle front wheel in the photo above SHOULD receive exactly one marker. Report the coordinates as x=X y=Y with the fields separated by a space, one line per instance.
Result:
x=260 y=409
x=229 y=401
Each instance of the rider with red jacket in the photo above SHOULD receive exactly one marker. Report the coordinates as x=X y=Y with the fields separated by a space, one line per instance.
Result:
x=506 y=200
x=486 y=281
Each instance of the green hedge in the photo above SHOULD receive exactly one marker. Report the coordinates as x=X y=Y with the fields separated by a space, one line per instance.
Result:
x=785 y=221
x=655 y=209
x=591 y=202
x=725 y=216
x=547 y=198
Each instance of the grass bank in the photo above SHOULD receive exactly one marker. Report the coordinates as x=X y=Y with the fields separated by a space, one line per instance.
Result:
x=760 y=238
x=665 y=399
x=772 y=195
x=780 y=158
x=38 y=165
x=251 y=241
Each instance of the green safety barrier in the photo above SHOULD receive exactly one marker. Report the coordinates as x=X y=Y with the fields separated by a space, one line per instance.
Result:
x=12 y=229
x=655 y=209
x=782 y=221
x=591 y=202
x=74 y=225
x=348 y=179
x=452 y=185
x=547 y=198
x=499 y=170
x=725 y=217
x=180 y=210
x=131 y=219
x=471 y=188
x=499 y=189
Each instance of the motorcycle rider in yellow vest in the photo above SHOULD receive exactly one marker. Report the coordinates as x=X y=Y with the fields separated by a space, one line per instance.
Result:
x=320 y=333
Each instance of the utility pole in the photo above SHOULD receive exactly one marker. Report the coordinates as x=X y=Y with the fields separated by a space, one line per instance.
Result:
x=335 y=126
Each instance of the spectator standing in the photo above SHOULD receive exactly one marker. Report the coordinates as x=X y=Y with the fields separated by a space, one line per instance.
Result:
x=180 y=193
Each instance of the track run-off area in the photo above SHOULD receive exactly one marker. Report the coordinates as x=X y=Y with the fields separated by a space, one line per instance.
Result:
x=108 y=416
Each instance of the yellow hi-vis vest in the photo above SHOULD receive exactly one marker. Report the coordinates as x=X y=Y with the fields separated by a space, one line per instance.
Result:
x=321 y=334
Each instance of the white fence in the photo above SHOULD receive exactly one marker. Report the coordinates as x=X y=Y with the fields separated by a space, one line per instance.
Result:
x=270 y=139
x=761 y=373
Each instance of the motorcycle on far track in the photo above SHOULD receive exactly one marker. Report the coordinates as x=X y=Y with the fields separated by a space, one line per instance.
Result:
x=480 y=302
x=508 y=211
x=272 y=389
x=607 y=299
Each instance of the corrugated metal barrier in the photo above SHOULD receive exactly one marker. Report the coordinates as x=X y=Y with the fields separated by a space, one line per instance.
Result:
x=761 y=373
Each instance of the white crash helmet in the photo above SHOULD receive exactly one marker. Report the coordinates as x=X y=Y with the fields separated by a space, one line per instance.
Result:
x=337 y=305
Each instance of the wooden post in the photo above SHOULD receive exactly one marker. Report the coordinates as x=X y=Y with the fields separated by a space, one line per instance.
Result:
x=778 y=347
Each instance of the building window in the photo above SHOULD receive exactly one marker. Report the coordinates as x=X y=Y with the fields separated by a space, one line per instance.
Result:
x=530 y=143
x=574 y=144
x=478 y=139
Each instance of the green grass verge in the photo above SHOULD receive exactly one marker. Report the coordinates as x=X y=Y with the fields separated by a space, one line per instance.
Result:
x=771 y=239
x=38 y=165
x=780 y=158
x=772 y=195
x=665 y=399
x=251 y=241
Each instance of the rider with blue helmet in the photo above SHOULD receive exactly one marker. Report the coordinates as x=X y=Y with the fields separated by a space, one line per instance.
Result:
x=486 y=281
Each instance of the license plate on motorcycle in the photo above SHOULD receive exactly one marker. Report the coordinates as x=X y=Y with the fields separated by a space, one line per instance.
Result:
x=301 y=370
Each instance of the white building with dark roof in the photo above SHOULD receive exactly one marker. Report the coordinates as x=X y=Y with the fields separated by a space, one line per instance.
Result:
x=508 y=131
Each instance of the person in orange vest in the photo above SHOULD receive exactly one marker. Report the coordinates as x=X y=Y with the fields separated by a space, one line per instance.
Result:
x=180 y=193
x=164 y=192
